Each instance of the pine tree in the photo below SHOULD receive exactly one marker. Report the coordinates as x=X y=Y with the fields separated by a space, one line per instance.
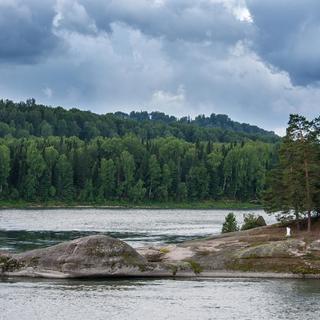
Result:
x=4 y=167
x=64 y=179
x=107 y=176
x=154 y=175
x=294 y=184
x=230 y=224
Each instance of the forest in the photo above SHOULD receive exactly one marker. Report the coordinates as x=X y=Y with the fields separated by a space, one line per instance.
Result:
x=75 y=156
x=25 y=119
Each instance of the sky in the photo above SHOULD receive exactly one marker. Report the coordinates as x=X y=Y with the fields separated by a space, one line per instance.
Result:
x=254 y=60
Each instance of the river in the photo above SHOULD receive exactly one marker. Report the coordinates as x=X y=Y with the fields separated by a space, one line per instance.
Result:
x=140 y=298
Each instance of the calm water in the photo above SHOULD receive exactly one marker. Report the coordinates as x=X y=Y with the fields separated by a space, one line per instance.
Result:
x=28 y=229
x=140 y=298
x=160 y=299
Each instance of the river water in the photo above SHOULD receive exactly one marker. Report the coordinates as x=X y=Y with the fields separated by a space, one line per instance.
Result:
x=140 y=298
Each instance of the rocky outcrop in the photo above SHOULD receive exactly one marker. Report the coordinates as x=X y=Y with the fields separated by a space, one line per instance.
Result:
x=93 y=256
x=265 y=250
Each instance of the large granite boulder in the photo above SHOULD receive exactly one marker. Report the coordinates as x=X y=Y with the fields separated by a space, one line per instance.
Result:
x=93 y=256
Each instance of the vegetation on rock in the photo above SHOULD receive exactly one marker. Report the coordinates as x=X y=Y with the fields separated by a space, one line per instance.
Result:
x=230 y=224
x=251 y=221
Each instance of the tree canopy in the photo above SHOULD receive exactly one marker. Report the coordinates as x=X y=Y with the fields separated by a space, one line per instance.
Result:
x=25 y=119
x=294 y=184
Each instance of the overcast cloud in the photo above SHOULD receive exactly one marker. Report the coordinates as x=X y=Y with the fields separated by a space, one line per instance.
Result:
x=255 y=60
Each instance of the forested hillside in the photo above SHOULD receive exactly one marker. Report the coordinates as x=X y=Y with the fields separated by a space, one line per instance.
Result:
x=74 y=156
x=26 y=119
x=126 y=168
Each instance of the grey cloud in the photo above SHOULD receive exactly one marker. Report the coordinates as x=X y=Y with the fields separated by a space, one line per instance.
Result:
x=288 y=36
x=26 y=30
x=174 y=20
x=181 y=57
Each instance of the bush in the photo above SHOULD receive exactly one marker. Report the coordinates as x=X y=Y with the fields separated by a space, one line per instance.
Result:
x=252 y=221
x=230 y=224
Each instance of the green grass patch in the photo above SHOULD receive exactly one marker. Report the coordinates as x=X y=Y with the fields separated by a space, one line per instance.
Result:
x=195 y=266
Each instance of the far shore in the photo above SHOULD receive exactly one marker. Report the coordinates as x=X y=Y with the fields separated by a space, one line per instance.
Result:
x=204 y=205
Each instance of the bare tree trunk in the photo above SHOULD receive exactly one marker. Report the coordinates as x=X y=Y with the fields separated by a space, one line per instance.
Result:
x=298 y=222
x=309 y=221
x=308 y=192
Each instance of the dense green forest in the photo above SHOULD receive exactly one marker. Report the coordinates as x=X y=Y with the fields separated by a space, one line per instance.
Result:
x=126 y=168
x=26 y=119
x=74 y=156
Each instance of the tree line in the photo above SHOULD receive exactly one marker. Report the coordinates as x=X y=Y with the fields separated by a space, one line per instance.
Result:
x=131 y=168
x=26 y=119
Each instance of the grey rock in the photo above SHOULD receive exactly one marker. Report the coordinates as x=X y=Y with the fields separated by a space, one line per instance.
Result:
x=276 y=249
x=315 y=245
x=261 y=222
x=92 y=256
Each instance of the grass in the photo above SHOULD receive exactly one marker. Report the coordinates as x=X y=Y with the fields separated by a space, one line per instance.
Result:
x=207 y=204
x=164 y=250
x=195 y=266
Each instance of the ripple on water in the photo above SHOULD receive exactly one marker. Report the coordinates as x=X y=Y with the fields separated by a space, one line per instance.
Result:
x=160 y=299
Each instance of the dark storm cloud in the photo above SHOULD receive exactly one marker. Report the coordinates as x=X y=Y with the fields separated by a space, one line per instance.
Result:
x=288 y=36
x=177 y=56
x=175 y=20
x=26 y=32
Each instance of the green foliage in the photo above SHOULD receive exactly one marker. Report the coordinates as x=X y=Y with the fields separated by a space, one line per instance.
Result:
x=51 y=154
x=107 y=175
x=25 y=119
x=230 y=224
x=251 y=221
x=195 y=266
x=293 y=185
x=63 y=181
x=137 y=192
x=4 y=167
x=103 y=169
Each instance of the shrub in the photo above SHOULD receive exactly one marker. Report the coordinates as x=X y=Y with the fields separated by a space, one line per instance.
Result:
x=230 y=224
x=252 y=221
x=195 y=266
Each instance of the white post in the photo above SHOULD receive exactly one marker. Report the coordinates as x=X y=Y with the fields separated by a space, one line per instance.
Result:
x=288 y=232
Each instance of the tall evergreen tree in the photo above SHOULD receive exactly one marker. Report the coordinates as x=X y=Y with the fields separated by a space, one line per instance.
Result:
x=294 y=184
x=63 y=173
x=107 y=175
x=4 y=167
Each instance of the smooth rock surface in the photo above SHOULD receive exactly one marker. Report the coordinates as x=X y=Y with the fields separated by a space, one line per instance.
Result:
x=84 y=257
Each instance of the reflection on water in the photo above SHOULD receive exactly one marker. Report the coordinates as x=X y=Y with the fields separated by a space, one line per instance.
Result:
x=160 y=299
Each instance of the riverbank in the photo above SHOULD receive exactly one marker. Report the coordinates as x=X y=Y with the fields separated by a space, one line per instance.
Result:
x=263 y=252
x=203 y=205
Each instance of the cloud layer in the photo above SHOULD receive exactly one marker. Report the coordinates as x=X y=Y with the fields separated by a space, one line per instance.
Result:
x=255 y=60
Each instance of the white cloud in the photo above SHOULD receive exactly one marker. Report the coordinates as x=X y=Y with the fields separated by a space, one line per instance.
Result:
x=181 y=57
x=170 y=102
x=48 y=92
x=71 y=15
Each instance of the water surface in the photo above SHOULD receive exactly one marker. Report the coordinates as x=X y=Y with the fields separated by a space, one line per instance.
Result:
x=160 y=299
x=156 y=299
x=22 y=230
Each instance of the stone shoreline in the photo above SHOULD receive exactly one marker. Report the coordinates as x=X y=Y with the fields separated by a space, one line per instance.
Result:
x=258 y=253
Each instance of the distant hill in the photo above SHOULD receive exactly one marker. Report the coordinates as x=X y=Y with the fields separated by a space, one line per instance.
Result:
x=25 y=119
